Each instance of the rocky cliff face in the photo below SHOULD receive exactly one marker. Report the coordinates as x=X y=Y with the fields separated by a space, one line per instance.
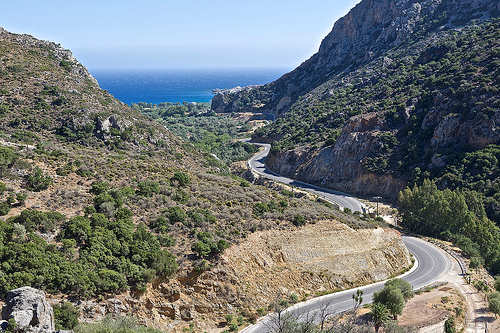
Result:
x=366 y=32
x=341 y=166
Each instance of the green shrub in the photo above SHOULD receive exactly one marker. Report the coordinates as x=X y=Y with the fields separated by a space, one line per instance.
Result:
x=181 y=196
x=21 y=198
x=260 y=208
x=66 y=64
x=148 y=188
x=449 y=325
x=110 y=281
x=299 y=220
x=4 y=109
x=37 y=181
x=65 y=316
x=176 y=214
x=206 y=246
x=35 y=220
x=3 y=188
x=99 y=187
x=78 y=228
x=11 y=325
x=181 y=178
x=164 y=263
x=7 y=159
x=4 y=208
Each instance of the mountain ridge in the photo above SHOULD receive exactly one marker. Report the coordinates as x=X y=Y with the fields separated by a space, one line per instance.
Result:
x=417 y=95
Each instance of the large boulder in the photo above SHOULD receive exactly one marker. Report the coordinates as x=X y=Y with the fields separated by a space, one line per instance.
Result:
x=30 y=310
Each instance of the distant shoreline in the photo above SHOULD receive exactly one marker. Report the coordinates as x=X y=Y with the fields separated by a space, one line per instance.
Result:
x=177 y=86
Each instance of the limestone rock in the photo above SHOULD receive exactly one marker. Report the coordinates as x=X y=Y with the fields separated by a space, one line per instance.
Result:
x=30 y=310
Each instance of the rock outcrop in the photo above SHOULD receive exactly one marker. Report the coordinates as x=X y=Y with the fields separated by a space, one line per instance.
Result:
x=341 y=166
x=30 y=310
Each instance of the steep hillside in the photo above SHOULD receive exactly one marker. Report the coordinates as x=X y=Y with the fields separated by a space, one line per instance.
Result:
x=398 y=92
x=104 y=207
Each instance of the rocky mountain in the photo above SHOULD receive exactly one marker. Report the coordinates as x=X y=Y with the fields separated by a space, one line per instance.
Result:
x=399 y=91
x=103 y=207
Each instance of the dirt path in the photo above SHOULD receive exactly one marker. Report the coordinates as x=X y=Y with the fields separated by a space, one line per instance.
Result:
x=478 y=316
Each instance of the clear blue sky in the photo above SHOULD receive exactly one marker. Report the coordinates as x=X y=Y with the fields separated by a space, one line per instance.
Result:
x=110 y=34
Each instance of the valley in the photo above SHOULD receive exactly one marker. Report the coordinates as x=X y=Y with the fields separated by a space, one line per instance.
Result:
x=254 y=212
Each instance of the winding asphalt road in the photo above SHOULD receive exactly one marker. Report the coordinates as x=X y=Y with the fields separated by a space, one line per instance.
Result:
x=344 y=200
x=431 y=262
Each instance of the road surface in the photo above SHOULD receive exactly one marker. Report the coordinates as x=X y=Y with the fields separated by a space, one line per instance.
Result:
x=431 y=262
x=344 y=200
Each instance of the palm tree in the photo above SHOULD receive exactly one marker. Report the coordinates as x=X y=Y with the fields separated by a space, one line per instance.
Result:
x=379 y=315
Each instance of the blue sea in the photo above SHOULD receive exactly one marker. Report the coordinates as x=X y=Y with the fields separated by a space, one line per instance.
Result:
x=156 y=86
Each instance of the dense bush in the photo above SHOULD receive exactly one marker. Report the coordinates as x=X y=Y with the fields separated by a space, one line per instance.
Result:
x=148 y=188
x=181 y=178
x=100 y=253
x=34 y=220
x=299 y=220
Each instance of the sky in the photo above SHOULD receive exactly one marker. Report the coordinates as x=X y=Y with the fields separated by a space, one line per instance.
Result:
x=170 y=34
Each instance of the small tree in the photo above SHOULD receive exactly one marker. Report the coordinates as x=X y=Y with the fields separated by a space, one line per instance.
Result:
x=357 y=297
x=476 y=263
x=392 y=298
x=494 y=303
x=379 y=315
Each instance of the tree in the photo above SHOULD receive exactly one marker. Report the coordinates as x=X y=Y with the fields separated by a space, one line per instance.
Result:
x=379 y=315
x=494 y=303
x=476 y=263
x=497 y=283
x=405 y=287
x=392 y=298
